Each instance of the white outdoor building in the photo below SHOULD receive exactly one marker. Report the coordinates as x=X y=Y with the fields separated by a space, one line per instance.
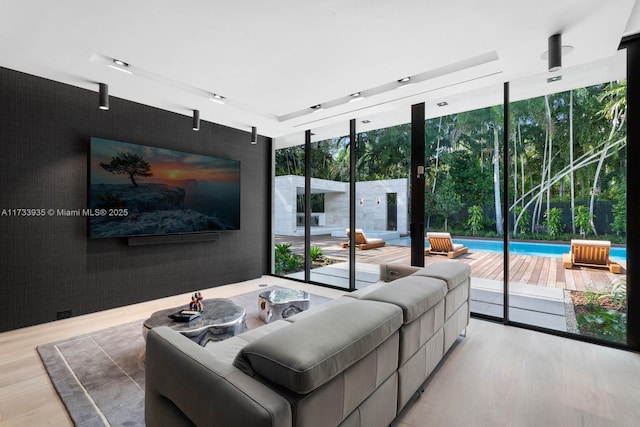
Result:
x=373 y=211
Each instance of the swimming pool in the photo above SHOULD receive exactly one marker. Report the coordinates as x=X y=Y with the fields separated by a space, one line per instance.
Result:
x=555 y=250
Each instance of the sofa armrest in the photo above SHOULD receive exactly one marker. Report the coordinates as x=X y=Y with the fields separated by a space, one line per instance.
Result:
x=186 y=384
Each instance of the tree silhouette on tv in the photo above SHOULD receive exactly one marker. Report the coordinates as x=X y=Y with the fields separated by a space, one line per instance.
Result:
x=128 y=164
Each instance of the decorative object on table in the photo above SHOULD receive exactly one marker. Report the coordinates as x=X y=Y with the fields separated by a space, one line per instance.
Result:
x=185 y=315
x=196 y=302
x=219 y=319
x=281 y=303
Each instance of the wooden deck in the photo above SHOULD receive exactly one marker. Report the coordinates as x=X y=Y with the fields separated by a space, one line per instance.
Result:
x=530 y=270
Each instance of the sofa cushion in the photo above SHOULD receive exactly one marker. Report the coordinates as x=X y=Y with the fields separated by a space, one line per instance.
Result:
x=313 y=350
x=453 y=272
x=413 y=294
x=227 y=350
x=316 y=309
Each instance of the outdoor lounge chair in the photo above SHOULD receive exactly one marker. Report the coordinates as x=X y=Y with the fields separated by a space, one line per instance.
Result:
x=363 y=242
x=590 y=253
x=441 y=244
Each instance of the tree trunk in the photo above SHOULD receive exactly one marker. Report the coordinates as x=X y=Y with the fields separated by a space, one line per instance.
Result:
x=571 y=176
x=496 y=181
x=603 y=156
x=550 y=145
x=435 y=175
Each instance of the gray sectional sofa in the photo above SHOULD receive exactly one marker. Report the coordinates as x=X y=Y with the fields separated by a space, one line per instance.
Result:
x=354 y=361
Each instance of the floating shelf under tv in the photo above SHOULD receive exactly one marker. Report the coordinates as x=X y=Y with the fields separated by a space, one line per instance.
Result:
x=172 y=238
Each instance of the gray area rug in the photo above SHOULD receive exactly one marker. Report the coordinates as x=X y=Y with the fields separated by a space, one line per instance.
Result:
x=100 y=376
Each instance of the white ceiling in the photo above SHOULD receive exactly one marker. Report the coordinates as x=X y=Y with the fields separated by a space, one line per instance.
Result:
x=273 y=60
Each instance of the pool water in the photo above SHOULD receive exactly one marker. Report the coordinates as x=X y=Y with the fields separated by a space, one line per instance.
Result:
x=618 y=254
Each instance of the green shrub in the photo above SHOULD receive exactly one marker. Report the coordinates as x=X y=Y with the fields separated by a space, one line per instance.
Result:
x=293 y=262
x=619 y=224
x=603 y=323
x=316 y=253
x=285 y=261
x=583 y=219
x=553 y=220
x=475 y=219
x=283 y=249
x=618 y=294
x=523 y=225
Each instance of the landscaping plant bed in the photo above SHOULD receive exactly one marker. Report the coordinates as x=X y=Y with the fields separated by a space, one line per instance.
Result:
x=600 y=316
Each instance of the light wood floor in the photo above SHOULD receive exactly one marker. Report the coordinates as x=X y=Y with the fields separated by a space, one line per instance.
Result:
x=496 y=376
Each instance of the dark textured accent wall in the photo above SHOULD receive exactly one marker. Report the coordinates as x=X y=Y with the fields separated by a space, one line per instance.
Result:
x=48 y=264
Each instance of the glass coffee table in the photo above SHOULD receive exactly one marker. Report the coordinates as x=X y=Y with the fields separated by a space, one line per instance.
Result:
x=281 y=303
x=221 y=319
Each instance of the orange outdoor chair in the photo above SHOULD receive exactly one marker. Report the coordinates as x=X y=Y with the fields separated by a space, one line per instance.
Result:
x=441 y=244
x=590 y=253
x=363 y=242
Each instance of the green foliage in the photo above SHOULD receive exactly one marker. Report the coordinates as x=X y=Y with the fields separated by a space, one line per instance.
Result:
x=283 y=249
x=583 y=219
x=292 y=263
x=475 y=219
x=603 y=323
x=446 y=201
x=618 y=294
x=128 y=164
x=472 y=183
x=286 y=261
x=316 y=253
x=553 y=221
x=525 y=220
x=619 y=224
x=383 y=153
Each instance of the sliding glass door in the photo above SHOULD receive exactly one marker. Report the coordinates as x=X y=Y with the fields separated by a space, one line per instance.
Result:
x=545 y=174
x=464 y=196
x=382 y=196
x=567 y=201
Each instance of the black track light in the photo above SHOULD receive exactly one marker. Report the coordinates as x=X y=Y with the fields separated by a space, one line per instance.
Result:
x=555 y=52
x=103 y=95
x=196 y=120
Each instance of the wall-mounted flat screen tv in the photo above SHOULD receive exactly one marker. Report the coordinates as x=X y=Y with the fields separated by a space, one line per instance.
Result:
x=137 y=190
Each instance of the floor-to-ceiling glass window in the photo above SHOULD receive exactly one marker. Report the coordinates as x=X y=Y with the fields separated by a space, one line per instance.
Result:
x=564 y=210
x=288 y=224
x=382 y=195
x=329 y=192
x=464 y=197
x=568 y=200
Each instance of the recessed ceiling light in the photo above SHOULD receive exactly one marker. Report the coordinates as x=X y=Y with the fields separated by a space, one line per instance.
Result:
x=405 y=82
x=124 y=70
x=366 y=121
x=356 y=96
x=120 y=66
x=554 y=79
x=217 y=98
x=442 y=104
x=317 y=107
